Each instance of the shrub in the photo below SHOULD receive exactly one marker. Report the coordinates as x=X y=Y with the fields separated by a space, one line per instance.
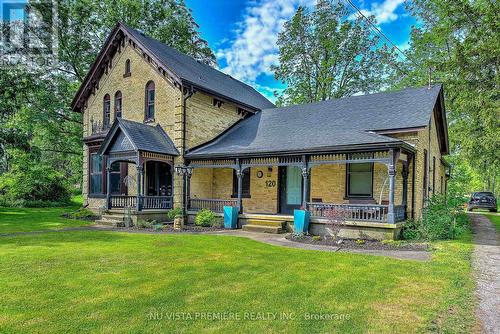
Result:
x=360 y=241
x=205 y=218
x=316 y=238
x=158 y=227
x=81 y=214
x=141 y=223
x=442 y=219
x=174 y=212
x=34 y=186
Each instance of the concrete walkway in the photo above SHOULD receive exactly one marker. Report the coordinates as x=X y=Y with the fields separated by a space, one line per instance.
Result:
x=486 y=262
x=280 y=240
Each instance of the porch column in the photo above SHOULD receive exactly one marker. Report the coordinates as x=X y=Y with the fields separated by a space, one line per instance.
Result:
x=189 y=172
x=404 y=174
x=239 y=175
x=108 y=186
x=305 y=190
x=139 y=168
x=392 y=181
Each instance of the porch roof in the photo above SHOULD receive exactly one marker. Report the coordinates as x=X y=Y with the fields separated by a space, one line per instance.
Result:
x=348 y=122
x=127 y=135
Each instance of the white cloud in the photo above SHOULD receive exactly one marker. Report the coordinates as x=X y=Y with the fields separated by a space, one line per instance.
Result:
x=384 y=12
x=253 y=50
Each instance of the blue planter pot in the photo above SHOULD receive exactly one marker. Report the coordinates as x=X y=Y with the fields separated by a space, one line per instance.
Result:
x=230 y=217
x=301 y=221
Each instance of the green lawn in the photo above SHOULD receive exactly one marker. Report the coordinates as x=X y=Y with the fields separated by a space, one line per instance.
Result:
x=495 y=219
x=100 y=281
x=26 y=220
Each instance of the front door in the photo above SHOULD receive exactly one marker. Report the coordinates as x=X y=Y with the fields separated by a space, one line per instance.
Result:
x=290 y=189
x=158 y=179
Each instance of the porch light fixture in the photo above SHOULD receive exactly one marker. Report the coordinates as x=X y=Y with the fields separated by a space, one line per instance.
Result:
x=183 y=170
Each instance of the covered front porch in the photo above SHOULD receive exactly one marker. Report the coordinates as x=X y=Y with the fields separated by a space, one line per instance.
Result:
x=150 y=185
x=372 y=187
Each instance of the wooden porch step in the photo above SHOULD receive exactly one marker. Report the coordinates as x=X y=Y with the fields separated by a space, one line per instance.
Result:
x=262 y=222
x=262 y=229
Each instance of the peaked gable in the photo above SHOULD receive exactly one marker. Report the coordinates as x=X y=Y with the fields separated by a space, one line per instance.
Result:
x=132 y=136
x=179 y=68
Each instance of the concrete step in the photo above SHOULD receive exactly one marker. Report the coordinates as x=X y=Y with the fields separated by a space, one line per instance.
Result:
x=263 y=222
x=113 y=217
x=262 y=229
x=107 y=222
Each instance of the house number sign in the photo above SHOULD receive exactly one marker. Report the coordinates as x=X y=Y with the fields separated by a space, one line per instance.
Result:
x=270 y=183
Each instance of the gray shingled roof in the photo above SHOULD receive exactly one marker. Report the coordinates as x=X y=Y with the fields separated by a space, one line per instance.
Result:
x=325 y=125
x=201 y=75
x=142 y=137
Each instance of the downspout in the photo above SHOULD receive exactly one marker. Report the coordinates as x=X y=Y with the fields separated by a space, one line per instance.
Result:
x=414 y=160
x=186 y=94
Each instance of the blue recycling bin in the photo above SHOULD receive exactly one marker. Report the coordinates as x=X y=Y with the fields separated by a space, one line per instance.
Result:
x=230 y=217
x=301 y=221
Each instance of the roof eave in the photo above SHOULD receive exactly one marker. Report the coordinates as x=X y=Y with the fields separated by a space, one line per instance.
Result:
x=321 y=150
x=253 y=109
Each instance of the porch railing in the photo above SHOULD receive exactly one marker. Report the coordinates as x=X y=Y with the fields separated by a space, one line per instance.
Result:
x=361 y=212
x=146 y=202
x=98 y=127
x=216 y=205
x=122 y=201
x=156 y=202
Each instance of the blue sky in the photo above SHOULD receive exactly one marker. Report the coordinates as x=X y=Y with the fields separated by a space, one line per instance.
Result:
x=243 y=33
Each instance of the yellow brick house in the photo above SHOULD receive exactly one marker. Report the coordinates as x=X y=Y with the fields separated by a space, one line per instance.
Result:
x=163 y=130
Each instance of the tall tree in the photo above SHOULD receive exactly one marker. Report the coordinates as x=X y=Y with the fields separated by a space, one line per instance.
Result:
x=324 y=54
x=459 y=41
x=37 y=126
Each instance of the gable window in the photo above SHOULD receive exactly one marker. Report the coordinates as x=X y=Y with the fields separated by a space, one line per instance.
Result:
x=95 y=179
x=359 y=180
x=118 y=104
x=106 y=106
x=127 y=68
x=245 y=189
x=150 y=101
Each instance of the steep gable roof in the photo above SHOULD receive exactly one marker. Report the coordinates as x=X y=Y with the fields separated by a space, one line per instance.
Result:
x=326 y=125
x=183 y=68
x=193 y=72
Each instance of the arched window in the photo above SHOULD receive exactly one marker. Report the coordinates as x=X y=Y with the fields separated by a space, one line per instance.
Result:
x=127 y=68
x=106 y=103
x=118 y=104
x=149 y=113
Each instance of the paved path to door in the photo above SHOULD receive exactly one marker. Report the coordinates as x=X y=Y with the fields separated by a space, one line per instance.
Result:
x=280 y=240
x=486 y=262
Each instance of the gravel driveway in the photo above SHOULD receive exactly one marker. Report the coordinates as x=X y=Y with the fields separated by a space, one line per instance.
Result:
x=486 y=262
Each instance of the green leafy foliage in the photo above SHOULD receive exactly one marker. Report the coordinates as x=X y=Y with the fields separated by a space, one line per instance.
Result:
x=37 y=127
x=205 y=218
x=171 y=214
x=142 y=223
x=459 y=42
x=443 y=219
x=324 y=55
x=34 y=183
